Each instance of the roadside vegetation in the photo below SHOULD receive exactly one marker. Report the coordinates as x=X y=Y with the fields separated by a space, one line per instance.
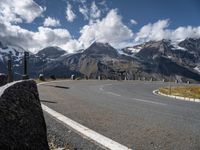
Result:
x=53 y=146
x=184 y=91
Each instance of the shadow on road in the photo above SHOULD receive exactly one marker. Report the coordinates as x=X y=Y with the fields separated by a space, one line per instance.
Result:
x=46 y=101
x=57 y=86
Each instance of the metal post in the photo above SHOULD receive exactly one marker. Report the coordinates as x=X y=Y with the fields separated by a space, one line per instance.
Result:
x=25 y=63
x=25 y=76
x=170 y=88
x=10 y=75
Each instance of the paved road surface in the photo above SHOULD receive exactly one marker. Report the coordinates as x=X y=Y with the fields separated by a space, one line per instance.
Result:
x=127 y=112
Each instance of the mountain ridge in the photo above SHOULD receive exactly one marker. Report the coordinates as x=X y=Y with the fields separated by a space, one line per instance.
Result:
x=151 y=60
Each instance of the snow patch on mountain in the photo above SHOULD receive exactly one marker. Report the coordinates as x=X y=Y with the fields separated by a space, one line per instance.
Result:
x=177 y=47
x=135 y=50
x=197 y=68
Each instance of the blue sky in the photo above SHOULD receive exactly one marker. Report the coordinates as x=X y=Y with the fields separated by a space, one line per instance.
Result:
x=180 y=12
x=75 y=24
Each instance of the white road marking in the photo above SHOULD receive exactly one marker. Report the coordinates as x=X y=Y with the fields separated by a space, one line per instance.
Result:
x=147 y=101
x=141 y=100
x=88 y=133
x=111 y=93
x=101 y=88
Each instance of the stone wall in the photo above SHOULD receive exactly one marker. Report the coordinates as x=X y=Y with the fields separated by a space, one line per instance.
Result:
x=3 y=79
x=22 y=124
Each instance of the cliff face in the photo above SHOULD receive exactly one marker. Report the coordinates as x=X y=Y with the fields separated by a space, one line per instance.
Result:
x=22 y=124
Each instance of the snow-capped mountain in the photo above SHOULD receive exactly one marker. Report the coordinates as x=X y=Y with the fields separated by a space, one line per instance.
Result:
x=51 y=52
x=154 y=59
x=15 y=51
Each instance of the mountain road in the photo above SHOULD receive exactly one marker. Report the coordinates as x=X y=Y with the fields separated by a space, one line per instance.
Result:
x=126 y=112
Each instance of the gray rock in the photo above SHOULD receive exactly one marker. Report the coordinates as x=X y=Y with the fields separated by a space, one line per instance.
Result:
x=22 y=124
x=3 y=79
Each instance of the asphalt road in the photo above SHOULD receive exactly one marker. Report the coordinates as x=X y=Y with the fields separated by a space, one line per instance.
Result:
x=127 y=112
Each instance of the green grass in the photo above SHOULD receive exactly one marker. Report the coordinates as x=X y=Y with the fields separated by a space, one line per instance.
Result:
x=184 y=91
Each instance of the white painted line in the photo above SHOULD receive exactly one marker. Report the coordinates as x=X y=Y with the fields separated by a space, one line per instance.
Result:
x=147 y=101
x=101 y=88
x=88 y=133
x=111 y=93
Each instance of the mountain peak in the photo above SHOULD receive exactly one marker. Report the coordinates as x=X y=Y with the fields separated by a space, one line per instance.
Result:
x=51 y=52
x=101 y=49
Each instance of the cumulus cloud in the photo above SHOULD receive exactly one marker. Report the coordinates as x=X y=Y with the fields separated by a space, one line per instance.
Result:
x=185 y=32
x=33 y=41
x=51 y=22
x=133 y=22
x=16 y=11
x=160 y=30
x=70 y=15
x=155 y=31
x=110 y=29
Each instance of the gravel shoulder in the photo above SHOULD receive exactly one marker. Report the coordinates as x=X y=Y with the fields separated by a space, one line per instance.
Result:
x=60 y=136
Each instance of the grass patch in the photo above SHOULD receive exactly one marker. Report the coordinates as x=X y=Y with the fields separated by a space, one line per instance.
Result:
x=184 y=91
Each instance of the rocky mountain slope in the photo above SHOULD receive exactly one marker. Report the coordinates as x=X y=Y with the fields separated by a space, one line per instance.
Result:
x=157 y=60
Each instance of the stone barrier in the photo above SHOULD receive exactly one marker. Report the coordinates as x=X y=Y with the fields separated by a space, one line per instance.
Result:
x=3 y=79
x=22 y=124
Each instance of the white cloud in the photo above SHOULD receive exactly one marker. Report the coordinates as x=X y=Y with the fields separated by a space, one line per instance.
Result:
x=185 y=32
x=51 y=22
x=84 y=11
x=33 y=41
x=95 y=12
x=72 y=45
x=70 y=15
x=16 y=11
x=110 y=29
x=159 y=30
x=156 y=31
x=133 y=22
